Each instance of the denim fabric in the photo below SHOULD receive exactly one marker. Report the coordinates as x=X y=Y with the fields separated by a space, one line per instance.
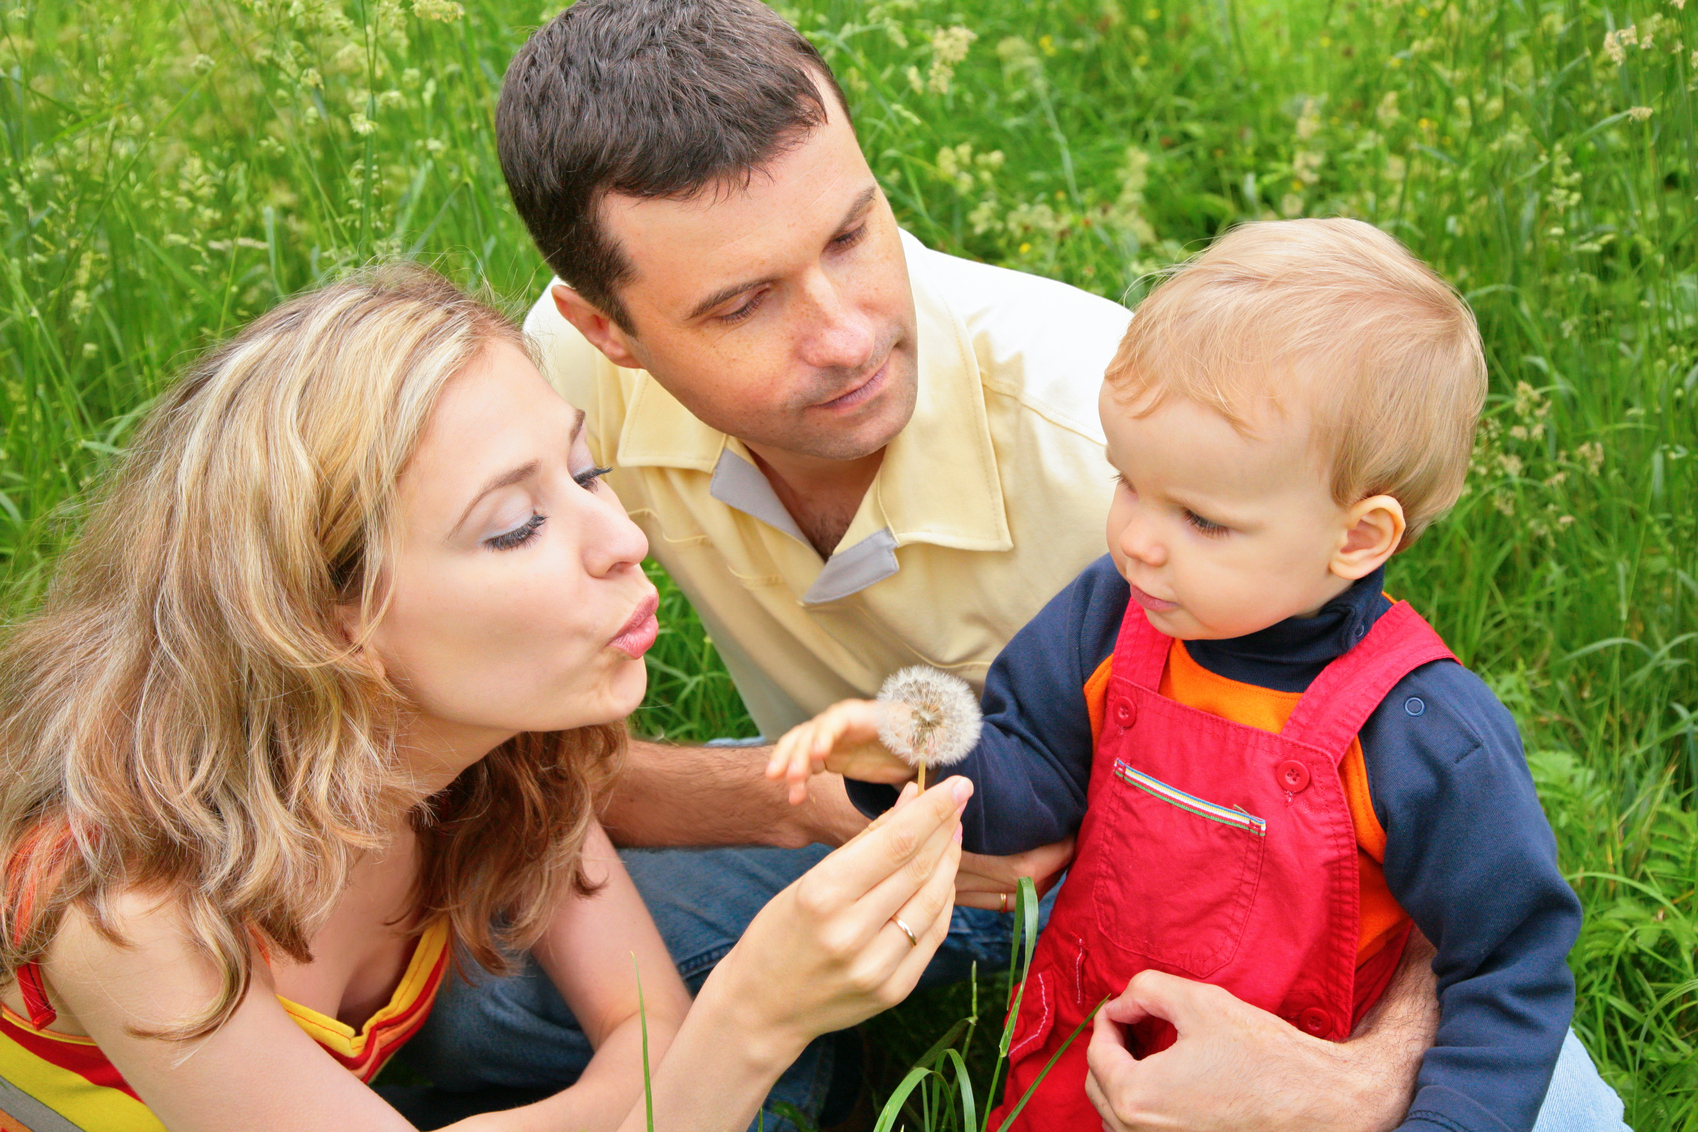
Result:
x=1579 y=1100
x=517 y=1034
x=514 y=1036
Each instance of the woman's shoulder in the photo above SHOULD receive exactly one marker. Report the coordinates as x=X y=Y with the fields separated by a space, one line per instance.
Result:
x=136 y=957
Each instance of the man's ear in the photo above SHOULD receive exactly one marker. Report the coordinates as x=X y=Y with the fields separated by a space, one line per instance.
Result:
x=603 y=333
x=1372 y=531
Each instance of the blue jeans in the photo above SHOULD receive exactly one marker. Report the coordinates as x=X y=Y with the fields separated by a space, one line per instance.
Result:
x=517 y=1034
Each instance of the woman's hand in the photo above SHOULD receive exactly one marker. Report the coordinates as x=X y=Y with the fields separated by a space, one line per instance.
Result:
x=824 y=954
x=843 y=739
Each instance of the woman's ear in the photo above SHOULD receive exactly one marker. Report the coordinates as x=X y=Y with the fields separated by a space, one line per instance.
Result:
x=1372 y=531
x=351 y=626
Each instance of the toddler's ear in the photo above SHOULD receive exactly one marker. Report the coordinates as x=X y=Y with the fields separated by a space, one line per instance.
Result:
x=1372 y=530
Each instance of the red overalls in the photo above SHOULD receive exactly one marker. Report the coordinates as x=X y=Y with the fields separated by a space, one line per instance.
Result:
x=1211 y=850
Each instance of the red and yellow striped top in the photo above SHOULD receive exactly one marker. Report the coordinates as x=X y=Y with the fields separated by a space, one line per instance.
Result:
x=53 y=1082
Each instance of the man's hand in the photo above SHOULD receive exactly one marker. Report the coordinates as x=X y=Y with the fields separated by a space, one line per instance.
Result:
x=991 y=882
x=1235 y=1066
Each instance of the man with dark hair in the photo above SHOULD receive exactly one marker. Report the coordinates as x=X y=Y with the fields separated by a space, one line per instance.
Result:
x=852 y=454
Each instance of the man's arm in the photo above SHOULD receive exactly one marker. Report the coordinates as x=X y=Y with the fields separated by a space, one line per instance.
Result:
x=1235 y=1066
x=676 y=796
x=670 y=796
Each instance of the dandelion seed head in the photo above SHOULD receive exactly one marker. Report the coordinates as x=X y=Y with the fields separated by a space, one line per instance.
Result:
x=928 y=717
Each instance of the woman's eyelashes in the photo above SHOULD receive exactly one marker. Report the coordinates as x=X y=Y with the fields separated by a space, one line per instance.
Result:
x=587 y=480
x=518 y=536
x=523 y=533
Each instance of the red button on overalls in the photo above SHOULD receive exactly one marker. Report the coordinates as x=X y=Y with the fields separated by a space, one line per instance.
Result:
x=1315 y=1021
x=1211 y=850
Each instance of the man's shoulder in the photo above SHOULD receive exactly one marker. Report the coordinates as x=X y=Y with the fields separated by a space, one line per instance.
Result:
x=1042 y=342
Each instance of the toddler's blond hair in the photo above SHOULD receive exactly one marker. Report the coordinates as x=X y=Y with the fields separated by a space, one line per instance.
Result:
x=1335 y=317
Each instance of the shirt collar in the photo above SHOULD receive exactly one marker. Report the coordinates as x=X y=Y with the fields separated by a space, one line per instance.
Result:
x=1289 y=654
x=938 y=482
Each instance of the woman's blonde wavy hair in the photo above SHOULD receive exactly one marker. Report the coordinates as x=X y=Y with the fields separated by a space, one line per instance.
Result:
x=186 y=715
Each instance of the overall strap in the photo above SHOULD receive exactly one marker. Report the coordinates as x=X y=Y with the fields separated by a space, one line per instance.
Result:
x=1348 y=690
x=1140 y=651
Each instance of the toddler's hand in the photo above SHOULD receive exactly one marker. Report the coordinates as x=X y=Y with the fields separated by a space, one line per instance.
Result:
x=842 y=738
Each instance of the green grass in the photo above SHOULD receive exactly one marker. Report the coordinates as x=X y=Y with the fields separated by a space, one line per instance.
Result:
x=172 y=169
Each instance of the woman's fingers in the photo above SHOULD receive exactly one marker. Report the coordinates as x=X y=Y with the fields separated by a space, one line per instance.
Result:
x=890 y=964
x=890 y=859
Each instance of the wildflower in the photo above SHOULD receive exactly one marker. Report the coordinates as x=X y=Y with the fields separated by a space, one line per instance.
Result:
x=949 y=48
x=1616 y=43
x=360 y=124
x=1639 y=113
x=928 y=718
x=1308 y=121
x=203 y=64
x=1291 y=205
x=1387 y=113
x=1305 y=164
x=443 y=11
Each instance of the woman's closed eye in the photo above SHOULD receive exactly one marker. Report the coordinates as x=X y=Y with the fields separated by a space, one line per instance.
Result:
x=518 y=536
x=588 y=479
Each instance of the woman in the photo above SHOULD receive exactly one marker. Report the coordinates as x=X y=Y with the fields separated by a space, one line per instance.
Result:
x=324 y=691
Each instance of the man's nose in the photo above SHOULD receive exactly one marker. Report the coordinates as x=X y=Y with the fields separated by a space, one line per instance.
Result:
x=839 y=334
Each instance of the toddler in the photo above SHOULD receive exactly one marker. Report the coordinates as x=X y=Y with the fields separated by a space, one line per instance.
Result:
x=1274 y=771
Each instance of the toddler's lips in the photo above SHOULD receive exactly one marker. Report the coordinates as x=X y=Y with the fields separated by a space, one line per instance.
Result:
x=1152 y=604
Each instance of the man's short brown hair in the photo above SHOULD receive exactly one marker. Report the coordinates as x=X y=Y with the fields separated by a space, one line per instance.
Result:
x=646 y=98
x=1334 y=318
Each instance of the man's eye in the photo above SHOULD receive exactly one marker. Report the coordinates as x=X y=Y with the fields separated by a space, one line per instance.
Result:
x=518 y=536
x=1205 y=526
x=742 y=312
x=846 y=239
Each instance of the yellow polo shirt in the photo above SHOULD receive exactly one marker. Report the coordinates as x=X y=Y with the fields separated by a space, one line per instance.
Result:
x=988 y=503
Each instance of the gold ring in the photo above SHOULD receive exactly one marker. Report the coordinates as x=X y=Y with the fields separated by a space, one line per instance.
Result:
x=1004 y=907
x=913 y=939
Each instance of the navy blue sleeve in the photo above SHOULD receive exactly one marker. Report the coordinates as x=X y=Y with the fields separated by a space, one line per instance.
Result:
x=1033 y=760
x=1471 y=858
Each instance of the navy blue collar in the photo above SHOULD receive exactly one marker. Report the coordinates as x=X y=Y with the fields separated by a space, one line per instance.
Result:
x=1288 y=655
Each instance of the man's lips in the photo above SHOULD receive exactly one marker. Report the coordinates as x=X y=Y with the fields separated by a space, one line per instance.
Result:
x=637 y=635
x=862 y=392
x=1152 y=604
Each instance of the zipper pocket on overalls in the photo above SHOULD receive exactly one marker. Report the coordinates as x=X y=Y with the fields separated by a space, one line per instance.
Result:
x=1190 y=803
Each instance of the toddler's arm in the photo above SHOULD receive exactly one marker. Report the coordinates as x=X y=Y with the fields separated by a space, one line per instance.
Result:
x=843 y=739
x=1471 y=857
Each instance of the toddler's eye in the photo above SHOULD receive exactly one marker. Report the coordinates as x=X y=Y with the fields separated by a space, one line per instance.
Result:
x=1205 y=526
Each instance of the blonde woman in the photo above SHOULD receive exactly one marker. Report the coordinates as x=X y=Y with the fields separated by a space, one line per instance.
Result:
x=324 y=692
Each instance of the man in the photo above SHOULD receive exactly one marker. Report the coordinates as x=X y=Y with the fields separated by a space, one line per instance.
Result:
x=852 y=454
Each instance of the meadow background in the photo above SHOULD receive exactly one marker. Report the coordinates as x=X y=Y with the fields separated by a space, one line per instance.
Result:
x=174 y=167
